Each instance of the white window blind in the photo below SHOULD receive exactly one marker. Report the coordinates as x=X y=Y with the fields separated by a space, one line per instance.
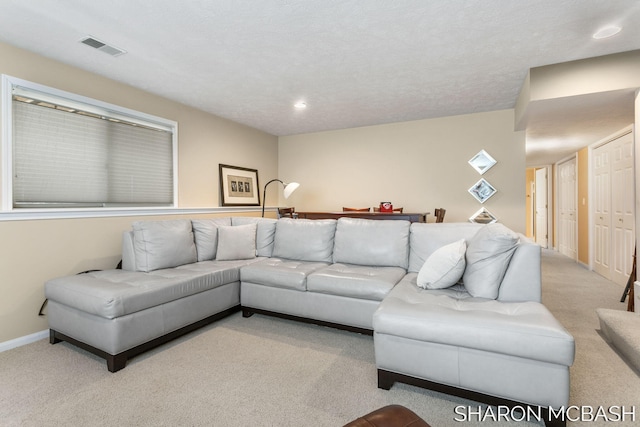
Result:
x=69 y=155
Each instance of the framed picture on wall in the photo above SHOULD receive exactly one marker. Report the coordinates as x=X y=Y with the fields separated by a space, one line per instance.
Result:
x=239 y=186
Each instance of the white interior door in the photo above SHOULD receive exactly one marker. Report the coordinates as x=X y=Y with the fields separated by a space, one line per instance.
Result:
x=622 y=208
x=541 y=203
x=567 y=209
x=614 y=208
x=602 y=210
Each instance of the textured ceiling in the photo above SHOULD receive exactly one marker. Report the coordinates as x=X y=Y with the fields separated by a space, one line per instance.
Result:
x=354 y=62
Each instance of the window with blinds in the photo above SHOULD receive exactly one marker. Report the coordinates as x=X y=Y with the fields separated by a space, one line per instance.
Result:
x=72 y=152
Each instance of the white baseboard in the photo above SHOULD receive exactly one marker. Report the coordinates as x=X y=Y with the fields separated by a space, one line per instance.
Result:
x=27 y=339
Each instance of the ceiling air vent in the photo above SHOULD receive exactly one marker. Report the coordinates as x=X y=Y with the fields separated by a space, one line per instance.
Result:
x=102 y=46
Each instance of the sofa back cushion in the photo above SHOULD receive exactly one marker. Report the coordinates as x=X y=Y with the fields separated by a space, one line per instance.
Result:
x=205 y=232
x=163 y=244
x=304 y=239
x=128 y=252
x=488 y=255
x=523 y=279
x=265 y=233
x=372 y=242
x=425 y=239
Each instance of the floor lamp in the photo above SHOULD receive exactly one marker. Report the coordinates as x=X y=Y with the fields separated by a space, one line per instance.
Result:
x=288 y=189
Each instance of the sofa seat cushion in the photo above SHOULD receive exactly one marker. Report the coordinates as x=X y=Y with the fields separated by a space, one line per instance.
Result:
x=355 y=281
x=522 y=329
x=281 y=273
x=115 y=293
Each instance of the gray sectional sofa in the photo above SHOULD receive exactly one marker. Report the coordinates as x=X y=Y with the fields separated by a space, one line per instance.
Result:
x=454 y=307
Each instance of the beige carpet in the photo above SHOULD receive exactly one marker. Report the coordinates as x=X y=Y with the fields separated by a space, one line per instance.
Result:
x=599 y=376
x=263 y=371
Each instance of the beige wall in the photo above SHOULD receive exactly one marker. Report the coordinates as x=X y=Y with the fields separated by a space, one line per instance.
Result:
x=419 y=165
x=33 y=251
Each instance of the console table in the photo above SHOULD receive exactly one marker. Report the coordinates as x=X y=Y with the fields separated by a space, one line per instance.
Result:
x=411 y=217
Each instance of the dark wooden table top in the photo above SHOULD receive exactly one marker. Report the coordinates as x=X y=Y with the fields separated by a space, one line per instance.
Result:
x=412 y=217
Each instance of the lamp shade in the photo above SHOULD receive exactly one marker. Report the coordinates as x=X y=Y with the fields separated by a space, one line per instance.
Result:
x=290 y=188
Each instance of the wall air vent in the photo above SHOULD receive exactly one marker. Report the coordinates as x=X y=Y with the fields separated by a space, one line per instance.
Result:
x=102 y=46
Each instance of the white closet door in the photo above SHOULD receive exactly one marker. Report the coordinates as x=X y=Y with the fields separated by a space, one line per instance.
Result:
x=602 y=210
x=614 y=209
x=567 y=209
x=622 y=208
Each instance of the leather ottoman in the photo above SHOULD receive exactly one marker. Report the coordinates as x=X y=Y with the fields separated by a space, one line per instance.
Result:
x=389 y=416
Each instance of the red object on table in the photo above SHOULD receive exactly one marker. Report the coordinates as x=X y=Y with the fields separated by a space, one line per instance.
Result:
x=386 y=207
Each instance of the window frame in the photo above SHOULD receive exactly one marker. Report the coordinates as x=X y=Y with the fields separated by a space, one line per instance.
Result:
x=92 y=105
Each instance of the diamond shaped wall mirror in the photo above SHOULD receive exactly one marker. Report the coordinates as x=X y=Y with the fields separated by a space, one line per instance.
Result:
x=482 y=162
x=483 y=216
x=482 y=190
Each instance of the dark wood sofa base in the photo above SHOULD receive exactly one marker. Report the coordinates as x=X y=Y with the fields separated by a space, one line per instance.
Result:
x=248 y=312
x=386 y=379
x=116 y=362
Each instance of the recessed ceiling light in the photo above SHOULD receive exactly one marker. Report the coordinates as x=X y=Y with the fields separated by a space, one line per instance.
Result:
x=605 y=32
x=300 y=105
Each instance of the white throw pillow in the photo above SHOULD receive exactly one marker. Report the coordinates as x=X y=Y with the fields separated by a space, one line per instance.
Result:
x=488 y=255
x=236 y=242
x=206 y=235
x=444 y=267
x=265 y=233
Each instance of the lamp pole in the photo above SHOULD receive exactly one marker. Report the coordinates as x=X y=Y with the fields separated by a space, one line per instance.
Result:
x=264 y=193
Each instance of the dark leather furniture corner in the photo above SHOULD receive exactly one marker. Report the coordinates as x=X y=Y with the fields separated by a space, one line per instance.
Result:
x=389 y=416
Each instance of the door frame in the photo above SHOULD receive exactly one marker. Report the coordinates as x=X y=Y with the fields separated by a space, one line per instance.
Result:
x=546 y=204
x=550 y=205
